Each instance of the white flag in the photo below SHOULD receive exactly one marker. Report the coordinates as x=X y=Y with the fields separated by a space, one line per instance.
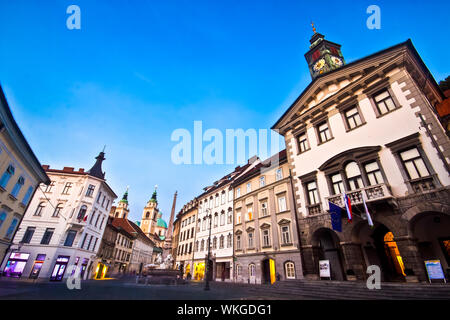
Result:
x=369 y=218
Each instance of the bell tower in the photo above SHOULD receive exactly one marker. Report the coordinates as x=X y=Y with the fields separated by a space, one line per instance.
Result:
x=122 y=210
x=150 y=215
x=323 y=55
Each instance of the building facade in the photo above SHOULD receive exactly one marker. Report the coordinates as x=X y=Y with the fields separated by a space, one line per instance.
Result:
x=215 y=222
x=369 y=129
x=187 y=218
x=266 y=246
x=105 y=256
x=21 y=174
x=63 y=225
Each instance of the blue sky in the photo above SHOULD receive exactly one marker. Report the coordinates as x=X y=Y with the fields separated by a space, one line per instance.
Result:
x=138 y=70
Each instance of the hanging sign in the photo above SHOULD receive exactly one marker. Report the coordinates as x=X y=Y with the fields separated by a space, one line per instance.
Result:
x=434 y=270
x=324 y=268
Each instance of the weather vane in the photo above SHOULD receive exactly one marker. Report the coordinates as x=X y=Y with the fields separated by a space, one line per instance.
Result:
x=314 y=28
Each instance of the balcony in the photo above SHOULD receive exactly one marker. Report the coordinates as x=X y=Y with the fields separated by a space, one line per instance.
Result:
x=373 y=193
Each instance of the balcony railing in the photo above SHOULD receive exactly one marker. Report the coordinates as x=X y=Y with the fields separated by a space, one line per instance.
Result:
x=372 y=193
x=423 y=184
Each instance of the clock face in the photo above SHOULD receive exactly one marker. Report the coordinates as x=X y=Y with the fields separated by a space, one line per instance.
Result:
x=337 y=61
x=319 y=65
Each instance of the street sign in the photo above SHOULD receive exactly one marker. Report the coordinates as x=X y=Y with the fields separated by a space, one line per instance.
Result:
x=434 y=270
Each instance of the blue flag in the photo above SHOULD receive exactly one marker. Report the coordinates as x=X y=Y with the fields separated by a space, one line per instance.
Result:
x=335 y=212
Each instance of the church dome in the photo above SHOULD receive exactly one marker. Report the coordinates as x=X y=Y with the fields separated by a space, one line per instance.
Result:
x=161 y=223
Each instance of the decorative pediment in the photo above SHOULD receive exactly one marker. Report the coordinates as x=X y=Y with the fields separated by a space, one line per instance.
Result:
x=284 y=221
x=265 y=225
x=350 y=154
x=250 y=229
x=238 y=232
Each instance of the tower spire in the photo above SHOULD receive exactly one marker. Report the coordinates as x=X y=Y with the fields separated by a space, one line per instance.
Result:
x=153 y=198
x=96 y=170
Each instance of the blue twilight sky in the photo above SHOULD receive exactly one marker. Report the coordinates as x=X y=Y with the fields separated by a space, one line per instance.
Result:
x=138 y=70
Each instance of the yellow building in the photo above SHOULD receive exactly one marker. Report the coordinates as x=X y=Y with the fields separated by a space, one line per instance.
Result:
x=20 y=175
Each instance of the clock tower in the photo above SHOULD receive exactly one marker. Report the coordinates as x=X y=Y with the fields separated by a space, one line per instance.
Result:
x=323 y=55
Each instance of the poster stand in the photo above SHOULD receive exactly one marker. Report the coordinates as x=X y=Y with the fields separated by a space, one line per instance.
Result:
x=434 y=270
x=324 y=269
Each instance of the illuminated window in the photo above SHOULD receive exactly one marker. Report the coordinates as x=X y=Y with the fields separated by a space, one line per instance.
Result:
x=249 y=213
x=290 y=270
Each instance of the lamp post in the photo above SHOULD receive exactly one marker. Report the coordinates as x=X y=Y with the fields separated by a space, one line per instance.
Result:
x=209 y=249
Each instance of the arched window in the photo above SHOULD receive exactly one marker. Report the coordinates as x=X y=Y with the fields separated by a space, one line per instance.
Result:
x=251 y=270
x=216 y=220
x=229 y=237
x=230 y=216
x=196 y=246
x=57 y=210
x=289 y=268
x=39 y=209
x=221 y=242
x=353 y=176
x=147 y=215
x=215 y=243
x=222 y=218
x=82 y=212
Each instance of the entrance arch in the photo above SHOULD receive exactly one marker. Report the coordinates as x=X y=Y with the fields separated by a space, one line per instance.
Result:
x=327 y=242
x=268 y=271
x=431 y=231
x=380 y=249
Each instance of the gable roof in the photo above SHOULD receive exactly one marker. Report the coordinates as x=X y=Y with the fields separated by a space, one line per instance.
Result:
x=309 y=90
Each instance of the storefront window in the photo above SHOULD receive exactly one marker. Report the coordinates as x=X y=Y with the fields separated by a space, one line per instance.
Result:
x=15 y=265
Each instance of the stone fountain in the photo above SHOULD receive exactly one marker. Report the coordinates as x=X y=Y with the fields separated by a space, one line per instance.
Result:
x=161 y=272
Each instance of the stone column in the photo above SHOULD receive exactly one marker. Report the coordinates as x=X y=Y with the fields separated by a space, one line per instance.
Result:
x=353 y=259
x=411 y=256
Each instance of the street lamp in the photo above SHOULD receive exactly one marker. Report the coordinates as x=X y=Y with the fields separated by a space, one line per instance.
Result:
x=209 y=249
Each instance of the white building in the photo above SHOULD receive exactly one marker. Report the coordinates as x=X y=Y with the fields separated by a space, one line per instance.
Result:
x=217 y=201
x=63 y=225
x=370 y=129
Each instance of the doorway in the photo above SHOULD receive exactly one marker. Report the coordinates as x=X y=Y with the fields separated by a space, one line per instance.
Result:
x=329 y=250
x=268 y=271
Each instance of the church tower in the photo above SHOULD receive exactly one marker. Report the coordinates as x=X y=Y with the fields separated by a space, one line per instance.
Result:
x=323 y=55
x=150 y=215
x=122 y=210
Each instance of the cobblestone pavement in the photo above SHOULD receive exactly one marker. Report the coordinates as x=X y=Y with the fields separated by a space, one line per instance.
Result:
x=127 y=289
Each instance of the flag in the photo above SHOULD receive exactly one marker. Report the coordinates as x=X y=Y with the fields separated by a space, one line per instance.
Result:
x=85 y=218
x=348 y=207
x=369 y=218
x=335 y=212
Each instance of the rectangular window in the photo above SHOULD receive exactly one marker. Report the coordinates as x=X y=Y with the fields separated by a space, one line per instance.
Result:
x=313 y=195
x=223 y=197
x=414 y=164
x=285 y=235
x=28 y=235
x=324 y=132
x=99 y=196
x=238 y=216
x=238 y=192
x=338 y=185
x=49 y=188
x=303 y=144
x=19 y=184
x=264 y=209
x=238 y=242
x=90 y=190
x=84 y=241
x=9 y=172
x=384 y=102
x=249 y=213
x=279 y=174
x=353 y=118
x=373 y=173
x=27 y=196
x=266 y=238
x=230 y=195
x=67 y=188
x=249 y=187
x=282 y=204
x=47 y=235
x=230 y=217
x=250 y=239
x=262 y=181
x=217 y=201
x=70 y=238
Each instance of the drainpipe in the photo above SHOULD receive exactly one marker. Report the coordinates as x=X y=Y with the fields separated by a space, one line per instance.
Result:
x=296 y=221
